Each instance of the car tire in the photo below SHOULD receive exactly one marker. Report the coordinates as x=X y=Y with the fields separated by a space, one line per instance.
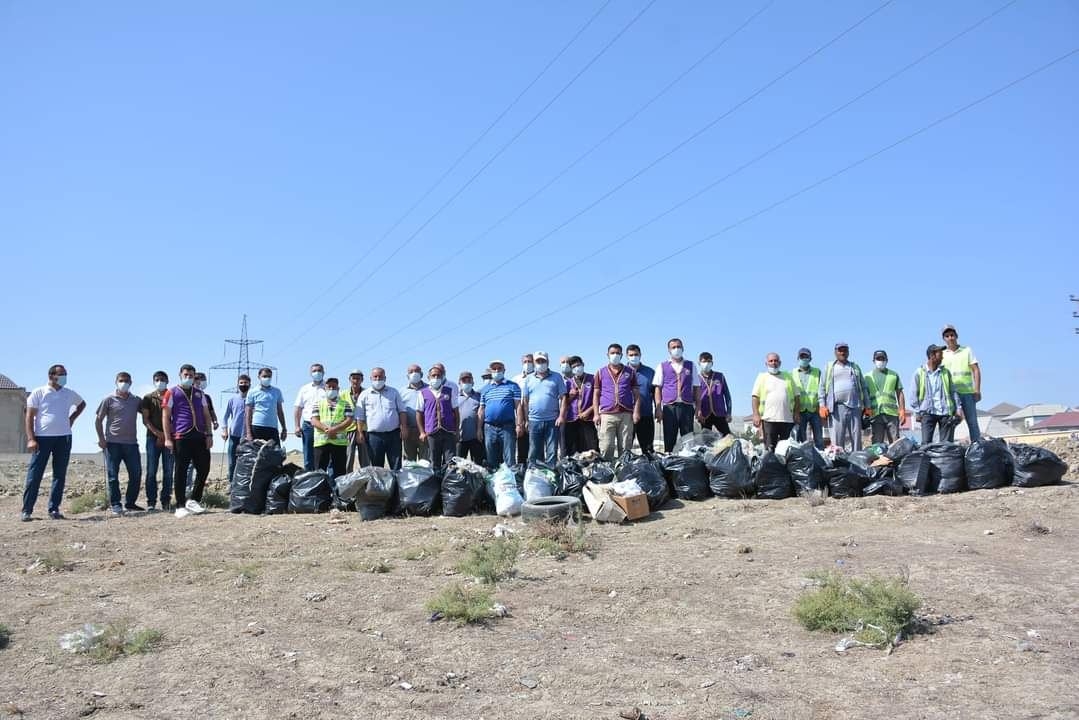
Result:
x=555 y=507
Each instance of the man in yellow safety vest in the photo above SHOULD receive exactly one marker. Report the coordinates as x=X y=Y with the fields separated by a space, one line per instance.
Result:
x=886 y=400
x=936 y=401
x=807 y=380
x=967 y=376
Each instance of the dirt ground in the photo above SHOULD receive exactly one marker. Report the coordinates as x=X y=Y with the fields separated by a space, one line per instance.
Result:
x=671 y=615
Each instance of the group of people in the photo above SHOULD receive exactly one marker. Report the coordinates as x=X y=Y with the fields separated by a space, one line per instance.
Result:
x=538 y=414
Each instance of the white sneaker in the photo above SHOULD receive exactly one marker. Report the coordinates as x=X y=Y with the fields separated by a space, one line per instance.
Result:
x=182 y=512
x=194 y=507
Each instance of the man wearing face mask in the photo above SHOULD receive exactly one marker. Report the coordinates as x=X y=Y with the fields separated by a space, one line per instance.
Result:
x=201 y=383
x=499 y=417
x=677 y=393
x=775 y=402
x=51 y=410
x=414 y=449
x=186 y=421
x=470 y=442
x=843 y=396
x=580 y=427
x=541 y=404
x=306 y=399
x=438 y=418
x=380 y=415
x=120 y=441
x=235 y=421
x=885 y=400
x=564 y=368
x=331 y=418
x=616 y=404
x=265 y=404
x=156 y=452
x=807 y=380
x=714 y=398
x=645 y=428
x=528 y=367
x=357 y=451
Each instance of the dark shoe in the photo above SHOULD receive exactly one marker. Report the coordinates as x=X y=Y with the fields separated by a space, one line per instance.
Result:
x=117 y=511
x=166 y=506
x=134 y=508
x=25 y=517
x=56 y=515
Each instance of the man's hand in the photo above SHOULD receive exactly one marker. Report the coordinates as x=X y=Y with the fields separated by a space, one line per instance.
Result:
x=31 y=444
x=102 y=444
x=423 y=436
x=209 y=441
x=169 y=445
x=216 y=426
x=224 y=434
x=558 y=421
x=360 y=438
x=700 y=418
x=756 y=420
x=902 y=416
x=823 y=412
x=636 y=417
x=520 y=430
x=977 y=397
x=298 y=433
x=868 y=412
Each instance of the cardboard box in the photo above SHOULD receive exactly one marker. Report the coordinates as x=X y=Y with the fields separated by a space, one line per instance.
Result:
x=600 y=505
x=634 y=506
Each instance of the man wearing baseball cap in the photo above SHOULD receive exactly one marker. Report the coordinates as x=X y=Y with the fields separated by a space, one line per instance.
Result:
x=807 y=381
x=357 y=451
x=843 y=396
x=937 y=403
x=967 y=376
x=541 y=406
x=885 y=400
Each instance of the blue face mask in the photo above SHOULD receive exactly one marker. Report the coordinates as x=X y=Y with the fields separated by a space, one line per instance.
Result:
x=187 y=382
x=498 y=375
x=61 y=380
x=466 y=388
x=317 y=376
x=804 y=363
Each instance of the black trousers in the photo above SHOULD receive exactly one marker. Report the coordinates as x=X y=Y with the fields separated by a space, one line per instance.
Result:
x=581 y=436
x=473 y=450
x=261 y=432
x=191 y=450
x=774 y=432
x=332 y=457
x=522 y=448
x=715 y=422
x=677 y=420
x=944 y=423
x=441 y=444
x=645 y=431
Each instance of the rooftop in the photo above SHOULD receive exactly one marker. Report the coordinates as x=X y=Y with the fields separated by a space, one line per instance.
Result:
x=7 y=383
x=1003 y=409
x=1043 y=410
x=1062 y=420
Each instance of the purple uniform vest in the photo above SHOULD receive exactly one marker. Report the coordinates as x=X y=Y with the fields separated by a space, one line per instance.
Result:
x=584 y=386
x=187 y=415
x=676 y=386
x=713 y=396
x=616 y=394
x=437 y=410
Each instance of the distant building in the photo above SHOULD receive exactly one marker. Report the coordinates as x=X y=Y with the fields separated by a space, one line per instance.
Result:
x=1025 y=419
x=1061 y=422
x=1002 y=410
x=12 y=416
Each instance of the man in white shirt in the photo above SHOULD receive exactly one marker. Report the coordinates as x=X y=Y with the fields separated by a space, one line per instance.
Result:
x=775 y=402
x=411 y=445
x=380 y=415
x=51 y=410
x=306 y=400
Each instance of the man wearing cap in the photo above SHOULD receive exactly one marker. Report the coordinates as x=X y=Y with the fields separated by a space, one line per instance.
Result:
x=937 y=402
x=380 y=415
x=499 y=416
x=411 y=445
x=357 y=451
x=775 y=402
x=967 y=376
x=541 y=407
x=807 y=380
x=528 y=366
x=470 y=443
x=886 y=400
x=677 y=393
x=843 y=396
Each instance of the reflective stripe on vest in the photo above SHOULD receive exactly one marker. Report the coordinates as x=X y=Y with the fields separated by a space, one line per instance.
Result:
x=330 y=418
x=808 y=384
x=958 y=364
x=945 y=382
x=883 y=399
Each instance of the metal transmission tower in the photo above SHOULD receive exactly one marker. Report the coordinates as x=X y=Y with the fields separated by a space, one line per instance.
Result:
x=243 y=366
x=1075 y=314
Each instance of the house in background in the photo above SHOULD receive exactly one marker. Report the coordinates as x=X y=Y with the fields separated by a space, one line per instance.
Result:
x=12 y=416
x=1025 y=419
x=1002 y=410
x=1061 y=422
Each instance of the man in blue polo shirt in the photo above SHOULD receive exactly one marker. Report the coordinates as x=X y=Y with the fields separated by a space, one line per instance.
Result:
x=499 y=404
x=541 y=404
x=645 y=428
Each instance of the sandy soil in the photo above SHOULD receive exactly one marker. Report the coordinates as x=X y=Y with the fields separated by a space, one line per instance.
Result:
x=668 y=616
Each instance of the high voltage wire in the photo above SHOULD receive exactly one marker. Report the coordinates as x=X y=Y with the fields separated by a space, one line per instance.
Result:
x=693 y=136
x=753 y=161
x=475 y=175
x=564 y=171
x=784 y=200
x=464 y=153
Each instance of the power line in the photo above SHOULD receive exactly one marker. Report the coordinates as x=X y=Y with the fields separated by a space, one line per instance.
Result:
x=495 y=156
x=453 y=166
x=690 y=138
x=753 y=161
x=785 y=199
x=564 y=171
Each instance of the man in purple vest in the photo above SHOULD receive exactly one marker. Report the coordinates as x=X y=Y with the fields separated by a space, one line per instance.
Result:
x=437 y=417
x=714 y=398
x=616 y=403
x=579 y=428
x=188 y=430
x=677 y=392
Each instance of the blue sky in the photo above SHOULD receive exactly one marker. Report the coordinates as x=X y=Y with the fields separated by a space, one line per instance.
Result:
x=168 y=169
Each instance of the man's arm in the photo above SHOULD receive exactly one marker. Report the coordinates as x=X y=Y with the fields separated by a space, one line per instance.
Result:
x=756 y=403
x=281 y=419
x=977 y=370
x=297 y=414
x=902 y=404
x=727 y=401
x=207 y=418
x=31 y=441
x=99 y=425
x=78 y=411
x=247 y=421
x=166 y=425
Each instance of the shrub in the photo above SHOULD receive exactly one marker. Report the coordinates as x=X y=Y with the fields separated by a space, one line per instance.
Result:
x=213 y=499
x=491 y=561
x=558 y=539
x=88 y=503
x=5 y=636
x=461 y=603
x=875 y=609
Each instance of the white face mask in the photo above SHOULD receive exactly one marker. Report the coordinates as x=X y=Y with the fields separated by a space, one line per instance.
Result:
x=578 y=370
x=201 y=384
x=332 y=394
x=881 y=364
x=123 y=386
x=160 y=385
x=466 y=388
x=527 y=367
x=265 y=381
x=705 y=366
x=436 y=382
x=378 y=384
x=773 y=370
x=615 y=358
x=541 y=367
x=634 y=360
x=676 y=353
x=565 y=368
x=414 y=377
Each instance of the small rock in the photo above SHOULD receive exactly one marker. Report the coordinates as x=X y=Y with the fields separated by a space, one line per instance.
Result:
x=529 y=682
x=1024 y=647
x=315 y=597
x=987 y=532
x=499 y=610
x=743 y=549
x=405 y=686
x=1034 y=634
x=97 y=693
x=708 y=683
x=612 y=594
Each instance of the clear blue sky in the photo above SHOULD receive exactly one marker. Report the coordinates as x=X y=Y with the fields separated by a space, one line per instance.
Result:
x=168 y=169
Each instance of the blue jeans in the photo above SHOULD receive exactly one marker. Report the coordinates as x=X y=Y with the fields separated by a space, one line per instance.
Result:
x=59 y=448
x=164 y=456
x=308 y=445
x=128 y=453
x=811 y=419
x=970 y=413
x=542 y=439
x=500 y=442
x=383 y=447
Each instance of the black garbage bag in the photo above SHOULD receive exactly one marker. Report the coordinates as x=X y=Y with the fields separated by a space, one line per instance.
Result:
x=277 y=494
x=688 y=476
x=773 y=479
x=861 y=458
x=312 y=492
x=648 y=477
x=916 y=473
x=1035 y=466
x=988 y=464
x=882 y=481
x=806 y=466
x=419 y=490
x=571 y=479
x=899 y=449
x=729 y=473
x=460 y=491
x=376 y=492
x=262 y=461
x=601 y=473
x=846 y=480
x=339 y=502
x=947 y=466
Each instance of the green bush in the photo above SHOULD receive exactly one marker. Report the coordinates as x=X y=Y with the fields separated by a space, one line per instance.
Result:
x=491 y=561
x=842 y=604
x=463 y=604
x=88 y=503
x=216 y=500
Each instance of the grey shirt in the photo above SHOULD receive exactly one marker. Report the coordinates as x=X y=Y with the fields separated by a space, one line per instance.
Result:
x=845 y=386
x=120 y=416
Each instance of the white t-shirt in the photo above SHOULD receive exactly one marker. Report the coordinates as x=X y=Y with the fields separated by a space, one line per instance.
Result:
x=676 y=365
x=777 y=406
x=54 y=409
x=307 y=398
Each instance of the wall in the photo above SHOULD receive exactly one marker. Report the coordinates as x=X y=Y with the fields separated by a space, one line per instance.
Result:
x=12 y=421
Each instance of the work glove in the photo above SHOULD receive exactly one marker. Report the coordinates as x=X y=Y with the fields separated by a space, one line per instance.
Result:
x=823 y=412
x=868 y=412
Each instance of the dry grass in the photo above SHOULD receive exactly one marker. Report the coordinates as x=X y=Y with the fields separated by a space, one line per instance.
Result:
x=121 y=638
x=90 y=502
x=491 y=561
x=464 y=604
x=559 y=539
x=875 y=609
